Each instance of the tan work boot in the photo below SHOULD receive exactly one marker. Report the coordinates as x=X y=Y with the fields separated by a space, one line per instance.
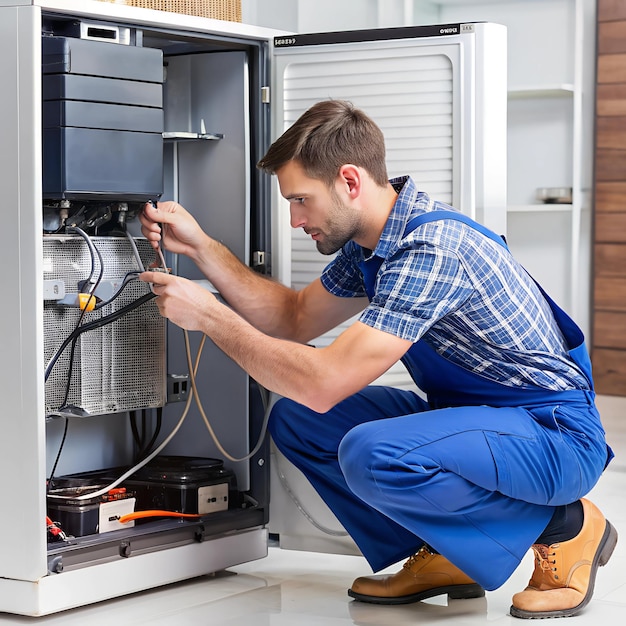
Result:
x=423 y=576
x=564 y=576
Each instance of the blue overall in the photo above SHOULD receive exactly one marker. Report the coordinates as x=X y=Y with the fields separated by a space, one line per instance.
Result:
x=475 y=472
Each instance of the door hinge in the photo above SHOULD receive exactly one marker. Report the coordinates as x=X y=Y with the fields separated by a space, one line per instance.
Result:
x=258 y=259
x=265 y=95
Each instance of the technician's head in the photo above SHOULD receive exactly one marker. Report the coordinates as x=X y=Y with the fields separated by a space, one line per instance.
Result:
x=330 y=134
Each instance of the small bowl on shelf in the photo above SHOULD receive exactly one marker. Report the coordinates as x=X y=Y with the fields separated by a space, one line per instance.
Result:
x=554 y=195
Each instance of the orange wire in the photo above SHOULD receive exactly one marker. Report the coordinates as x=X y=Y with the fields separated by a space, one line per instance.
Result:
x=156 y=513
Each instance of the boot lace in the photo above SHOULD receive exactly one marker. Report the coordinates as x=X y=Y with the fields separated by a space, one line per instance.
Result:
x=545 y=559
x=422 y=553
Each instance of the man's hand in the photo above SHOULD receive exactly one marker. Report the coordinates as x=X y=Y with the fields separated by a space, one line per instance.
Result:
x=180 y=300
x=170 y=223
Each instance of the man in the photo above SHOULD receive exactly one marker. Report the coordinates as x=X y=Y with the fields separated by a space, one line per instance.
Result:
x=499 y=455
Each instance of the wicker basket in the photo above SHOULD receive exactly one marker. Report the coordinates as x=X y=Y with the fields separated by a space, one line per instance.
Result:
x=217 y=9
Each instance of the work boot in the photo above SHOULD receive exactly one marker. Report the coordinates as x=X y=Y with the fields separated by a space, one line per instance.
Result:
x=423 y=576
x=565 y=572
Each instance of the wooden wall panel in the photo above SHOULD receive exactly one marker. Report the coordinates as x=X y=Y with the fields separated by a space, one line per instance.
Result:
x=611 y=132
x=610 y=197
x=609 y=330
x=609 y=294
x=611 y=10
x=610 y=164
x=609 y=370
x=611 y=99
x=612 y=37
x=611 y=228
x=610 y=259
x=611 y=68
x=608 y=341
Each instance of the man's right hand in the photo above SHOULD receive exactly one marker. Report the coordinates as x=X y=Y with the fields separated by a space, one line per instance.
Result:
x=173 y=226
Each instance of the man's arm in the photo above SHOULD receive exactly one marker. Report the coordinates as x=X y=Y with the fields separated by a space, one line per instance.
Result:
x=268 y=305
x=316 y=377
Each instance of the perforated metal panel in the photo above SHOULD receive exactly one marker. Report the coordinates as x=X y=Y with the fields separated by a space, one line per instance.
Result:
x=120 y=366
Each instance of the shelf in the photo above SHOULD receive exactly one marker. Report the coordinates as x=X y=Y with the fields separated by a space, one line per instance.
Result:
x=184 y=136
x=563 y=90
x=539 y=208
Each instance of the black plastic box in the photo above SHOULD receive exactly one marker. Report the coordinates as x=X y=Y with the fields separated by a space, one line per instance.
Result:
x=83 y=517
x=57 y=114
x=102 y=121
x=111 y=91
x=183 y=484
x=99 y=164
x=71 y=55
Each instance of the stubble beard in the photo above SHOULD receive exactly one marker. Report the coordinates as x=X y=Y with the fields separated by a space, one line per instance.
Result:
x=342 y=226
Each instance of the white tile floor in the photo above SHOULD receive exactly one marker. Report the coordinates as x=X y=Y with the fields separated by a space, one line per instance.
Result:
x=307 y=589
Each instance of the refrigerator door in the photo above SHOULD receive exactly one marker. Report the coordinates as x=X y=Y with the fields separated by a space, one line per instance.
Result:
x=439 y=95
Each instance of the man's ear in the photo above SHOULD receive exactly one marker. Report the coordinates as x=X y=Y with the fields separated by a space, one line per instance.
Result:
x=350 y=180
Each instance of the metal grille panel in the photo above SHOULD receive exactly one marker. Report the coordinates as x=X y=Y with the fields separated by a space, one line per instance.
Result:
x=120 y=366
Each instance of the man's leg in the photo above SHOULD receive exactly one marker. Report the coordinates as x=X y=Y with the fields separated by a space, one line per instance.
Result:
x=478 y=484
x=310 y=441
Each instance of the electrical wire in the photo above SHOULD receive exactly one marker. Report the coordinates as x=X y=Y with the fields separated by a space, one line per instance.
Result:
x=133 y=245
x=130 y=276
x=157 y=430
x=139 y=440
x=93 y=251
x=285 y=483
x=192 y=378
x=58 y=456
x=193 y=369
x=98 y=324
x=281 y=475
x=156 y=513
x=103 y=321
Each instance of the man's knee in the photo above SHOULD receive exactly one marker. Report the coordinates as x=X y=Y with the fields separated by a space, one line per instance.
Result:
x=360 y=454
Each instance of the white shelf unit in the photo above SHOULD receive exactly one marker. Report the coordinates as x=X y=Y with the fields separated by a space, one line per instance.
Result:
x=564 y=90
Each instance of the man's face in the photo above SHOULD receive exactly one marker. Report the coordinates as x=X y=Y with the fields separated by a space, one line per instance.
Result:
x=318 y=210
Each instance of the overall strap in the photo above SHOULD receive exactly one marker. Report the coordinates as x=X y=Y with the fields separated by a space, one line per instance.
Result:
x=442 y=214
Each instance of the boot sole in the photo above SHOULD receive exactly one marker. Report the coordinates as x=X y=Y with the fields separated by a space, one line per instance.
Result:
x=602 y=556
x=455 y=592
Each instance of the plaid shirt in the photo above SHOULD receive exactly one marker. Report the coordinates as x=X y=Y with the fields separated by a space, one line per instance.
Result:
x=463 y=293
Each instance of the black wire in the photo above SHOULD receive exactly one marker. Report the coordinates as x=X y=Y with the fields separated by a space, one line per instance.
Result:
x=56 y=461
x=132 y=416
x=143 y=449
x=155 y=434
x=103 y=321
x=92 y=248
x=84 y=309
x=144 y=426
x=130 y=276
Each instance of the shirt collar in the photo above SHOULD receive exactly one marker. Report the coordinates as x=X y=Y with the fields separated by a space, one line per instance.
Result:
x=401 y=211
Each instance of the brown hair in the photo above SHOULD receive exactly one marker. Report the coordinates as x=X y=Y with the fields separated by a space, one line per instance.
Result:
x=330 y=134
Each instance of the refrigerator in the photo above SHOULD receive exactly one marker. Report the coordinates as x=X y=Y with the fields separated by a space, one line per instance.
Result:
x=105 y=107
